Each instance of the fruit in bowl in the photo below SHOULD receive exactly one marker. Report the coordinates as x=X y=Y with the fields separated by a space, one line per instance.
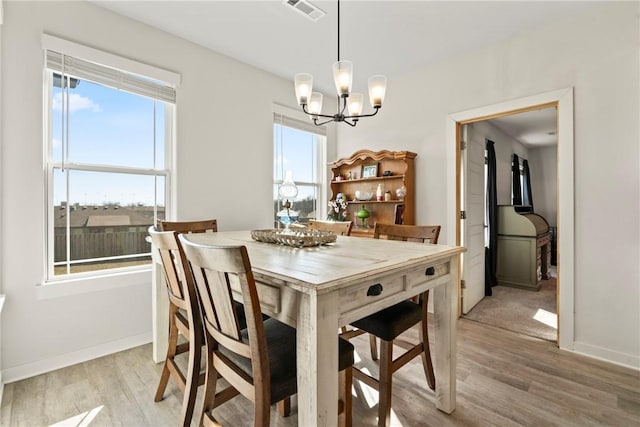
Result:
x=363 y=195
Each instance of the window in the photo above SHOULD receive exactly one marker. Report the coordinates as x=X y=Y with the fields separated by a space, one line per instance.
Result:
x=299 y=147
x=107 y=151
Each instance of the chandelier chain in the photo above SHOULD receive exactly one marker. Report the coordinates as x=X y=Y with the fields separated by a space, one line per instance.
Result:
x=338 y=30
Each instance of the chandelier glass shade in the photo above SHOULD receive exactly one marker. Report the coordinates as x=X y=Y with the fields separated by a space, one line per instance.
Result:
x=350 y=105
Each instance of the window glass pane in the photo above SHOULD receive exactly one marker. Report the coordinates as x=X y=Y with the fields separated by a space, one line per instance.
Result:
x=108 y=127
x=103 y=188
x=295 y=150
x=306 y=203
x=107 y=216
x=102 y=198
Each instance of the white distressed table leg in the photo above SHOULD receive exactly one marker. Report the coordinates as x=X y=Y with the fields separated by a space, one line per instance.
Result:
x=160 y=312
x=317 y=360
x=445 y=317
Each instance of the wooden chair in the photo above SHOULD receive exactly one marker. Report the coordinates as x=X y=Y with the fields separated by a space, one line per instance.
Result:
x=341 y=228
x=184 y=318
x=184 y=311
x=200 y=226
x=258 y=362
x=391 y=322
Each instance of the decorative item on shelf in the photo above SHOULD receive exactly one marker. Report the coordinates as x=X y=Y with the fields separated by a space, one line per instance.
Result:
x=339 y=177
x=311 y=102
x=398 y=214
x=401 y=192
x=363 y=214
x=379 y=193
x=338 y=208
x=363 y=195
x=387 y=196
x=287 y=190
x=370 y=171
x=349 y=175
x=387 y=173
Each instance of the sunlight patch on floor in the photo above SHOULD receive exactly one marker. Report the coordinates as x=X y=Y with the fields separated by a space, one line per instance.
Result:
x=546 y=317
x=80 y=420
x=370 y=394
x=394 y=422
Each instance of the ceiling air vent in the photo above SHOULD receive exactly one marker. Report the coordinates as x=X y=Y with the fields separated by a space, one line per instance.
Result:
x=306 y=8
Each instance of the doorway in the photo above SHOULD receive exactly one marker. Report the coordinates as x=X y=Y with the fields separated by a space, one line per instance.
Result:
x=563 y=101
x=525 y=300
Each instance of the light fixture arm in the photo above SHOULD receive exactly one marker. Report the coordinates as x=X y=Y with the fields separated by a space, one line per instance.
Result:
x=338 y=117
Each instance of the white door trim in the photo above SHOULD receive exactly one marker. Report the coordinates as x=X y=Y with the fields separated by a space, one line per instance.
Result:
x=565 y=236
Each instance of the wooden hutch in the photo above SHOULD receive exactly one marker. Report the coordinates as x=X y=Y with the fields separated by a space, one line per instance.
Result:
x=393 y=169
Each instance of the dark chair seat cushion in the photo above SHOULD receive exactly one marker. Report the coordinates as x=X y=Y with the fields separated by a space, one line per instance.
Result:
x=242 y=317
x=387 y=324
x=345 y=350
x=281 y=341
x=281 y=344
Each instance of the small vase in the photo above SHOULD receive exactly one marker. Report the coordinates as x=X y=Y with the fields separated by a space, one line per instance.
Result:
x=363 y=214
x=401 y=192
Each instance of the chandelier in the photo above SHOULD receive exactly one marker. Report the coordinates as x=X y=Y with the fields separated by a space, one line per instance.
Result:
x=351 y=103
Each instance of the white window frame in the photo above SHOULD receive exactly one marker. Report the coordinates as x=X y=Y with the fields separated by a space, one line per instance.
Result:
x=107 y=61
x=296 y=119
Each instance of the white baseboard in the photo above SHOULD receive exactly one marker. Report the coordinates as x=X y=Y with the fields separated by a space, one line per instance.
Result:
x=47 y=365
x=627 y=360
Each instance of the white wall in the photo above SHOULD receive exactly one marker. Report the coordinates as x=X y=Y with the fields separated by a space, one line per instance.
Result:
x=543 y=167
x=597 y=54
x=223 y=171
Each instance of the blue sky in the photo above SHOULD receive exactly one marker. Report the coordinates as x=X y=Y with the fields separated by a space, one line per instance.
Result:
x=295 y=150
x=108 y=127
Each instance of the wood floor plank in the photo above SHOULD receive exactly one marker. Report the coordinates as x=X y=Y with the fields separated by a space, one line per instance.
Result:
x=504 y=379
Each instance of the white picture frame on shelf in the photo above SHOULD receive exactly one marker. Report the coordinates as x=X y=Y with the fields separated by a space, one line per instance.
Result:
x=370 y=170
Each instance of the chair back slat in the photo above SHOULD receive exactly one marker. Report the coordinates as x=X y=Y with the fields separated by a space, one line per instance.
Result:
x=341 y=228
x=407 y=233
x=222 y=303
x=172 y=275
x=168 y=247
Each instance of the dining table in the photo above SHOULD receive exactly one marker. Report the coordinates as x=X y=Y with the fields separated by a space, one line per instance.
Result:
x=317 y=289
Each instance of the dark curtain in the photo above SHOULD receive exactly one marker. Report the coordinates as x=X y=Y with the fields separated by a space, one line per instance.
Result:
x=515 y=181
x=491 y=252
x=527 y=197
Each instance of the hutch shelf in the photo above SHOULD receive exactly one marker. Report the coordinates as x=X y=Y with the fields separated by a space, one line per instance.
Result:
x=390 y=170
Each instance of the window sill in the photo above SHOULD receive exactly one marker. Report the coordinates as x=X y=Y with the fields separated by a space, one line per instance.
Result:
x=84 y=285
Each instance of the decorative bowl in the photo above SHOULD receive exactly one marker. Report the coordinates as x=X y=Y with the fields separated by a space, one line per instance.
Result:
x=297 y=238
x=363 y=195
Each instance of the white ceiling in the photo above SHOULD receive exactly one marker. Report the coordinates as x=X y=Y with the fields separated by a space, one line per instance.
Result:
x=380 y=37
x=533 y=128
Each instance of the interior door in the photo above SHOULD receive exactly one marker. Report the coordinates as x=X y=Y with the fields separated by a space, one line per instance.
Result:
x=472 y=170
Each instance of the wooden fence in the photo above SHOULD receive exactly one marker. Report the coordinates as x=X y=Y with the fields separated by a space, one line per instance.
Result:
x=96 y=242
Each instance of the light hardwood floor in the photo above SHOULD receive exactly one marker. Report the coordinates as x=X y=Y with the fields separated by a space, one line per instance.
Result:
x=504 y=379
